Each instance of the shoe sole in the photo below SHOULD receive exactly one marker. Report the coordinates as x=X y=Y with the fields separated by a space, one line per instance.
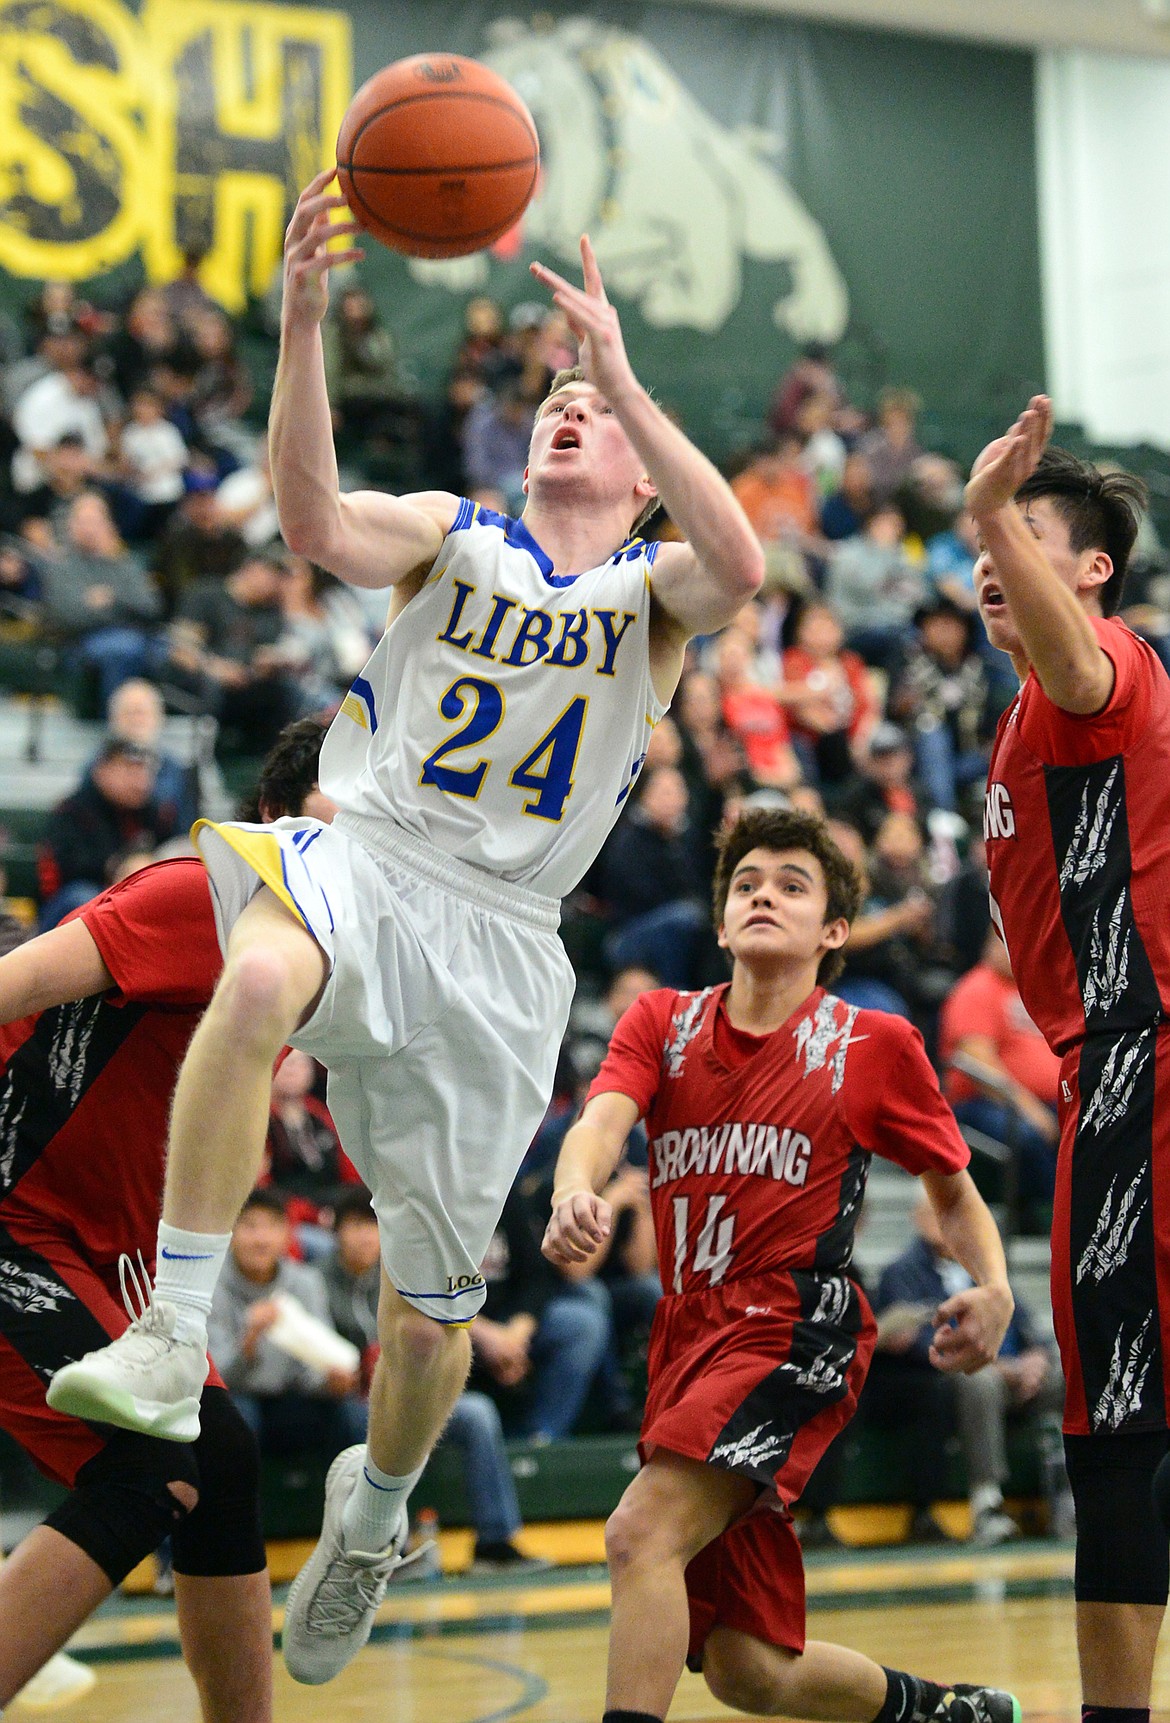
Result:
x=81 y=1395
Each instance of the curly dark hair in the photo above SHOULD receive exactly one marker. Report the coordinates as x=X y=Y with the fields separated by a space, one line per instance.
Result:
x=789 y=829
x=1100 y=510
x=289 y=772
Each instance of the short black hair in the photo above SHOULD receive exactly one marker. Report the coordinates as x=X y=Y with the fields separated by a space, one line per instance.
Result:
x=1101 y=511
x=779 y=829
x=264 y=1197
x=289 y=772
x=354 y=1204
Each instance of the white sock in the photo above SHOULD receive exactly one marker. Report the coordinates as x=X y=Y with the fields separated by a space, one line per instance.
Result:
x=186 y=1269
x=370 y=1518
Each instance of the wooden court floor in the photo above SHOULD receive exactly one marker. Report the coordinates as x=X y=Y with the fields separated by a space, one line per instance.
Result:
x=446 y=1653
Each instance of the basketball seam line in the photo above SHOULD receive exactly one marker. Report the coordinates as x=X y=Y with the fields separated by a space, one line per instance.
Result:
x=465 y=95
x=421 y=172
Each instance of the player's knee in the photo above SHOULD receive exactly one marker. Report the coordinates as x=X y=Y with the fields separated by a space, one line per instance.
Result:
x=260 y=997
x=127 y=1499
x=633 y=1537
x=743 y=1679
x=414 y=1341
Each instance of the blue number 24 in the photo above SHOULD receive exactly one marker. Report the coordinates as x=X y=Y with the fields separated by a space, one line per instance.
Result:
x=546 y=770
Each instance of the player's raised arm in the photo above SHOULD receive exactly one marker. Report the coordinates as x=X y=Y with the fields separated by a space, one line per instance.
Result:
x=973 y=1323
x=591 y=1150
x=1049 y=617
x=367 y=538
x=52 y=969
x=703 y=583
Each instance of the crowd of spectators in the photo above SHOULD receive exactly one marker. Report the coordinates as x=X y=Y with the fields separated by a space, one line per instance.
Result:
x=139 y=539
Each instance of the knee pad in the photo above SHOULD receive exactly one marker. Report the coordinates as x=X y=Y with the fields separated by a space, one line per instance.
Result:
x=122 y=1505
x=1112 y=1480
x=223 y=1535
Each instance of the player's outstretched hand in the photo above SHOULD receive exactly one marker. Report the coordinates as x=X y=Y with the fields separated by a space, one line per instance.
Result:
x=1006 y=462
x=307 y=259
x=971 y=1327
x=593 y=321
x=579 y=1223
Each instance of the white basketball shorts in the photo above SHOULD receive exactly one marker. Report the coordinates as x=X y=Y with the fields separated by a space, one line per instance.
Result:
x=440 y=1022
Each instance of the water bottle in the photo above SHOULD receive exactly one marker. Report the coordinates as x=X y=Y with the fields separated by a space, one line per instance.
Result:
x=428 y=1562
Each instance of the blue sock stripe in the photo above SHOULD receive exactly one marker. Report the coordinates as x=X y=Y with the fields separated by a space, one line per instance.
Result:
x=387 y=1489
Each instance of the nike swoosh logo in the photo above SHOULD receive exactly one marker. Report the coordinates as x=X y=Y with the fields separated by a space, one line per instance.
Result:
x=178 y=1256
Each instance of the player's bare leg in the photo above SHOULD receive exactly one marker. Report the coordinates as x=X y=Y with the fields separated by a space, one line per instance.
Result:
x=272 y=975
x=225 y=1627
x=419 y=1376
x=1116 y=1643
x=150 y=1378
x=824 y=1681
x=671 y=1510
x=48 y=1587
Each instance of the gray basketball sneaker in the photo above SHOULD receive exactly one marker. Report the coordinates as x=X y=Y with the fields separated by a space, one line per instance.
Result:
x=334 y=1599
x=145 y=1380
x=967 y=1704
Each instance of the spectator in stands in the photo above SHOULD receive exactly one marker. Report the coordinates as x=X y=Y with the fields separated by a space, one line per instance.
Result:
x=964 y=908
x=779 y=496
x=224 y=651
x=812 y=373
x=622 y=1278
x=651 y=882
x=146 y=338
x=98 y=596
x=906 y=1391
x=885 y=782
x=713 y=760
x=535 y=1348
x=136 y=714
x=223 y=386
x=323 y=641
x=930 y=496
x=371 y=399
x=41 y=514
x=753 y=713
x=246 y=502
x=304 y=1154
x=828 y=695
x=185 y=297
x=943 y=696
x=892 y=447
x=21 y=588
x=950 y=561
x=113 y=811
x=153 y=459
x=889 y=958
x=199 y=543
x=353 y=1277
x=291 y=1407
x=1006 y=1082
x=845 y=512
x=496 y=435
x=824 y=453
x=875 y=589
x=58 y=310
x=67 y=398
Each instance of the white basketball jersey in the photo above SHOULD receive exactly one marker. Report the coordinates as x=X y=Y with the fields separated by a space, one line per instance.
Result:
x=506 y=711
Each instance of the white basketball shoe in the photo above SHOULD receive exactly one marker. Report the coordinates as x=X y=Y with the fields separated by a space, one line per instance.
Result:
x=334 y=1599
x=144 y=1380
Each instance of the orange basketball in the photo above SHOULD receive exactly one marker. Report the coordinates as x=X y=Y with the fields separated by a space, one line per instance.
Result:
x=437 y=156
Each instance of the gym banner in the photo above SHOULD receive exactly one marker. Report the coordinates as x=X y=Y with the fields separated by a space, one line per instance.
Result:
x=749 y=182
x=130 y=136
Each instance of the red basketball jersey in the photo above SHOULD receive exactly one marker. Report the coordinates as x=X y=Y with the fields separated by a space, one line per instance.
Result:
x=85 y=1088
x=1077 y=822
x=760 y=1145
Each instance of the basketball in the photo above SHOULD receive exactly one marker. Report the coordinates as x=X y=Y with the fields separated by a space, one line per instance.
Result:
x=437 y=156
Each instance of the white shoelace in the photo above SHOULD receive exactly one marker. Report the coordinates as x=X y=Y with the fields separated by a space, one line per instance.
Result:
x=353 y=1584
x=138 y=1298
